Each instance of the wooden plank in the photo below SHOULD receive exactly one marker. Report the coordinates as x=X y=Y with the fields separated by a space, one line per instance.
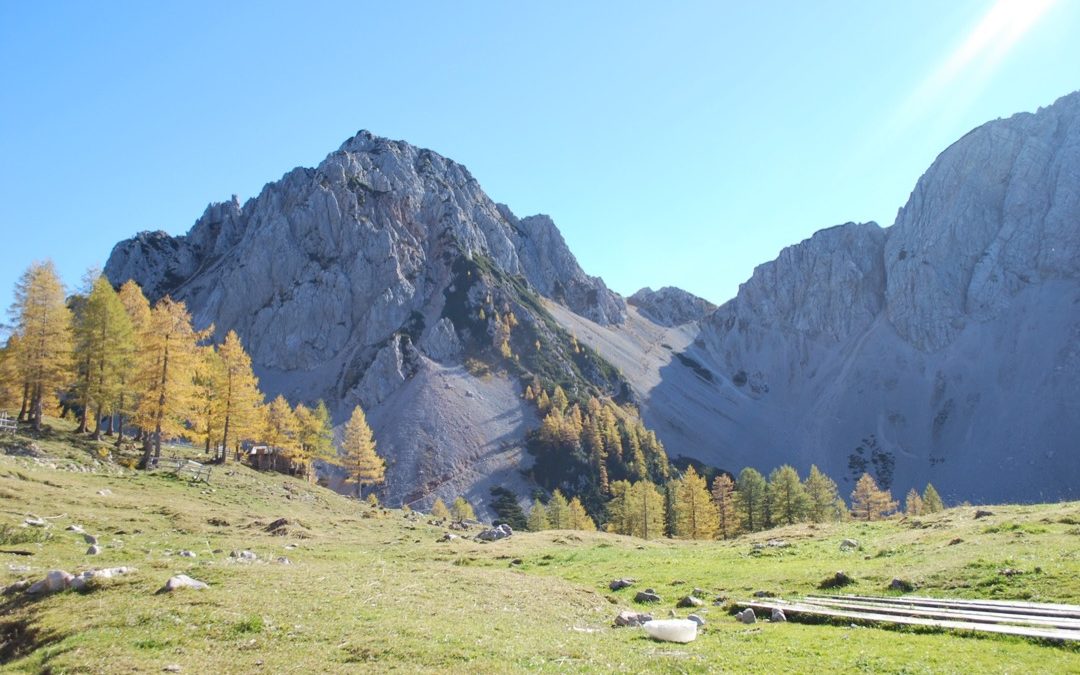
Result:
x=795 y=609
x=938 y=613
x=1026 y=609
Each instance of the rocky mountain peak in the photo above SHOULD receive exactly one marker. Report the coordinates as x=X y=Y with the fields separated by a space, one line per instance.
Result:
x=671 y=306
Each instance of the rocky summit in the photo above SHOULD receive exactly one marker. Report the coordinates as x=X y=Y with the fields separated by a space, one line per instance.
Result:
x=943 y=348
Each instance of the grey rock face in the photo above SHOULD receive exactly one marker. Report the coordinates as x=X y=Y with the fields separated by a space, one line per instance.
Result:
x=671 y=306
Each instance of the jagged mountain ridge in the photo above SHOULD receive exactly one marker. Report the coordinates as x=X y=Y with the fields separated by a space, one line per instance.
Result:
x=890 y=349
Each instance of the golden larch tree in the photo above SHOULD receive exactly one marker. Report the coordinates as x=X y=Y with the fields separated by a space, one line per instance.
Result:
x=869 y=502
x=822 y=497
x=42 y=322
x=137 y=308
x=238 y=390
x=723 y=494
x=695 y=512
x=537 y=519
x=105 y=337
x=364 y=465
x=579 y=517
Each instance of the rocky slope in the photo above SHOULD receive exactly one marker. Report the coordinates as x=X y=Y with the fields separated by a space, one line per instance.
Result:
x=945 y=348
x=671 y=306
x=381 y=267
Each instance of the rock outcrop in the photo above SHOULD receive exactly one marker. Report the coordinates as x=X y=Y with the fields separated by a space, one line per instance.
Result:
x=671 y=306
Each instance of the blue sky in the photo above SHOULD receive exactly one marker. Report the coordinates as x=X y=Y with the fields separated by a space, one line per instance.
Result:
x=673 y=143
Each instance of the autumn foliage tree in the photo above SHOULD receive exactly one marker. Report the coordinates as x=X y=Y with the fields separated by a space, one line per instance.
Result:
x=137 y=309
x=932 y=500
x=787 y=497
x=238 y=390
x=363 y=464
x=695 y=512
x=823 y=501
x=723 y=494
x=42 y=324
x=869 y=502
x=106 y=340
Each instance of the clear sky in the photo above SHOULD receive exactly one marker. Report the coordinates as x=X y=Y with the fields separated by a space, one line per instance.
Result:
x=674 y=143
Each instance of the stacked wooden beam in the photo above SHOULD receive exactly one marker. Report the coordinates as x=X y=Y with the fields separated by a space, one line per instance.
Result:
x=1027 y=619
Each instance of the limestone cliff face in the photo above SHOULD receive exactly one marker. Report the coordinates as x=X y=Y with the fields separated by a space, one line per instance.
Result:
x=996 y=213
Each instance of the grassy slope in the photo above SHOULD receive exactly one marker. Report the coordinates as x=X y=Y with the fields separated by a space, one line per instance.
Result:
x=374 y=590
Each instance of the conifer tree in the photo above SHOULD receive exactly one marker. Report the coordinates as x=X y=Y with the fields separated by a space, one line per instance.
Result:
x=558 y=512
x=538 y=520
x=507 y=510
x=137 y=308
x=578 y=517
x=821 y=496
x=695 y=512
x=439 y=510
x=364 y=465
x=868 y=502
x=240 y=400
x=462 y=510
x=913 y=503
x=788 y=501
x=170 y=348
x=105 y=337
x=559 y=401
x=10 y=382
x=618 y=515
x=44 y=346
x=281 y=429
x=750 y=497
x=207 y=411
x=646 y=507
x=932 y=500
x=723 y=494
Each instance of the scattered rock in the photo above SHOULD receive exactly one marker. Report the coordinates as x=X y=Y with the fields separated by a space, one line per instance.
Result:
x=901 y=585
x=279 y=527
x=449 y=536
x=90 y=539
x=697 y=592
x=720 y=600
x=81 y=581
x=1010 y=572
x=282 y=560
x=289 y=547
x=245 y=555
x=777 y=543
x=629 y=618
x=746 y=616
x=954 y=542
x=77 y=529
x=515 y=562
x=93 y=550
x=690 y=601
x=55 y=580
x=671 y=630
x=764 y=594
x=837 y=580
x=848 y=543
x=218 y=522
x=458 y=525
x=619 y=584
x=981 y=513
x=106 y=492
x=696 y=619
x=188 y=554
x=181 y=581
x=171 y=668
x=777 y=615
x=494 y=534
x=646 y=596
x=34 y=521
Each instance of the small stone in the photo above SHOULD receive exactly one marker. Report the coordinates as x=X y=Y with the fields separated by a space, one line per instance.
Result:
x=244 y=555
x=188 y=554
x=77 y=529
x=777 y=615
x=836 y=581
x=777 y=543
x=55 y=580
x=690 y=601
x=90 y=539
x=172 y=668
x=282 y=560
x=494 y=534
x=619 y=584
x=449 y=537
x=515 y=562
x=746 y=616
x=697 y=592
x=629 y=618
x=982 y=513
x=646 y=596
x=182 y=581
x=17 y=587
x=105 y=492
x=94 y=550
x=901 y=585
x=696 y=619
x=34 y=521
x=954 y=542
x=849 y=543
x=764 y=594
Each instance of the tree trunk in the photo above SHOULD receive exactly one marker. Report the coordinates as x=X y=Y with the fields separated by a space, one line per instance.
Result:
x=109 y=425
x=148 y=449
x=35 y=407
x=97 y=424
x=25 y=409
